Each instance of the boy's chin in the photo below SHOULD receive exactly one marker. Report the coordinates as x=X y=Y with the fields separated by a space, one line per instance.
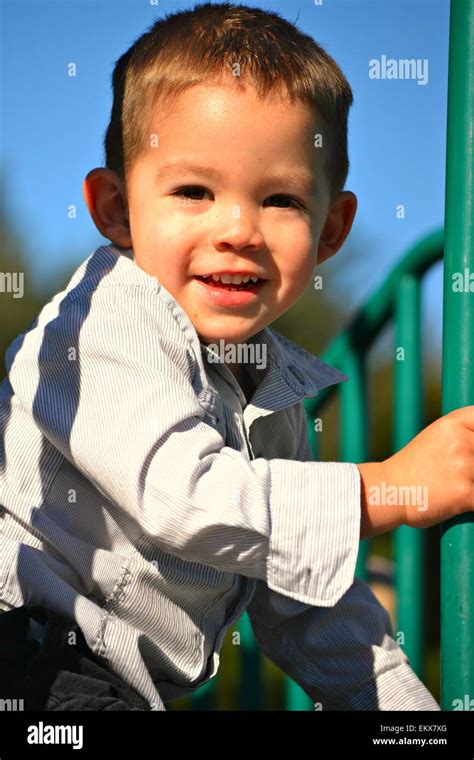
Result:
x=226 y=328
x=226 y=336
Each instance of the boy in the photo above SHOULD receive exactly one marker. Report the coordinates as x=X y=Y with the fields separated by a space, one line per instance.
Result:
x=151 y=492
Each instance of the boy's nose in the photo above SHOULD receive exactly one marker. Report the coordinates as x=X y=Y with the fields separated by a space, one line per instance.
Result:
x=238 y=233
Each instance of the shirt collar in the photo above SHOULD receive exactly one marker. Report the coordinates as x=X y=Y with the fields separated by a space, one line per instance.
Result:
x=302 y=371
x=292 y=375
x=310 y=372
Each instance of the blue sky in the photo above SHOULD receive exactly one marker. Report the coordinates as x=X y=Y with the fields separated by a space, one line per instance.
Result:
x=53 y=124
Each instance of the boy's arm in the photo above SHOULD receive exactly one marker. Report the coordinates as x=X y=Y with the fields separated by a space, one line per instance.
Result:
x=376 y=515
x=426 y=482
x=375 y=518
x=344 y=657
x=110 y=381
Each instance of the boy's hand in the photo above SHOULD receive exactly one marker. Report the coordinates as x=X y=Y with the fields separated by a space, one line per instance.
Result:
x=428 y=481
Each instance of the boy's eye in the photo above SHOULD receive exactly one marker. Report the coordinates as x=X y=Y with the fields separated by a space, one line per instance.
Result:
x=191 y=190
x=184 y=192
x=296 y=204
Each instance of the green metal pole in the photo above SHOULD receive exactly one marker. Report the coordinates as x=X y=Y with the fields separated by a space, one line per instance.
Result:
x=251 y=696
x=204 y=698
x=353 y=426
x=457 y=535
x=408 y=420
x=313 y=439
x=294 y=697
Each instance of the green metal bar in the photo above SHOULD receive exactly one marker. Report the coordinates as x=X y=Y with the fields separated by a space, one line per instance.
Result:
x=204 y=698
x=295 y=698
x=457 y=535
x=251 y=666
x=376 y=312
x=408 y=421
x=313 y=438
x=353 y=426
x=353 y=435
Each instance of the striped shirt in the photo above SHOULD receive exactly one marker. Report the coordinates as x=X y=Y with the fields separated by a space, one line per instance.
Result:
x=143 y=496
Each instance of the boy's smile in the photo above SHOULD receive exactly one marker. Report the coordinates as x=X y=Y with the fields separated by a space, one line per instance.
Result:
x=235 y=187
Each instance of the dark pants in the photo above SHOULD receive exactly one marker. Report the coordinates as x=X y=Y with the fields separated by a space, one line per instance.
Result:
x=54 y=674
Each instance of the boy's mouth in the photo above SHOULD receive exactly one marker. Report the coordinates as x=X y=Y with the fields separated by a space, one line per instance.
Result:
x=213 y=281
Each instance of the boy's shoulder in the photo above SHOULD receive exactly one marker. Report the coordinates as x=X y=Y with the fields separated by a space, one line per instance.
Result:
x=108 y=267
x=108 y=301
x=110 y=279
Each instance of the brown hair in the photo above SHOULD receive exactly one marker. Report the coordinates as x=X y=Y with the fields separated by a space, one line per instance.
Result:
x=202 y=45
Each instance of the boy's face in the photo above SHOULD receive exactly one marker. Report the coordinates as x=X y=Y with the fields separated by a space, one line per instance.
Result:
x=185 y=223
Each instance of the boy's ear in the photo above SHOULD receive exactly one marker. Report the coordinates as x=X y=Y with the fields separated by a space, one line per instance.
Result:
x=338 y=224
x=105 y=198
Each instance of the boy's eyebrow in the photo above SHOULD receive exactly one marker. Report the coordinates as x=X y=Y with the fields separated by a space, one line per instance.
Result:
x=298 y=180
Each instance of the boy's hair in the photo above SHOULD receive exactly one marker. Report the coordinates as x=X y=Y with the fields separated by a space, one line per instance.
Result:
x=202 y=45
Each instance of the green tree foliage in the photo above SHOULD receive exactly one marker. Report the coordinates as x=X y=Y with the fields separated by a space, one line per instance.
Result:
x=15 y=313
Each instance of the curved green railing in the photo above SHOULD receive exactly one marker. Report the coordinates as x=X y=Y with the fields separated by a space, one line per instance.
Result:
x=397 y=299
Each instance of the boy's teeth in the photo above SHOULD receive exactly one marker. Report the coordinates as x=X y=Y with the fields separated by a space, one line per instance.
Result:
x=234 y=279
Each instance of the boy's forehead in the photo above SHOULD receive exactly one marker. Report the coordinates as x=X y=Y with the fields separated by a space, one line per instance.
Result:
x=204 y=116
x=219 y=104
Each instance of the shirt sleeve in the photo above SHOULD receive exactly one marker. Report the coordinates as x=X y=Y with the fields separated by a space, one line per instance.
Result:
x=344 y=657
x=109 y=382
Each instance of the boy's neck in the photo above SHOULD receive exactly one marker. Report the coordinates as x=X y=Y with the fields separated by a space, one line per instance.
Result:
x=243 y=378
